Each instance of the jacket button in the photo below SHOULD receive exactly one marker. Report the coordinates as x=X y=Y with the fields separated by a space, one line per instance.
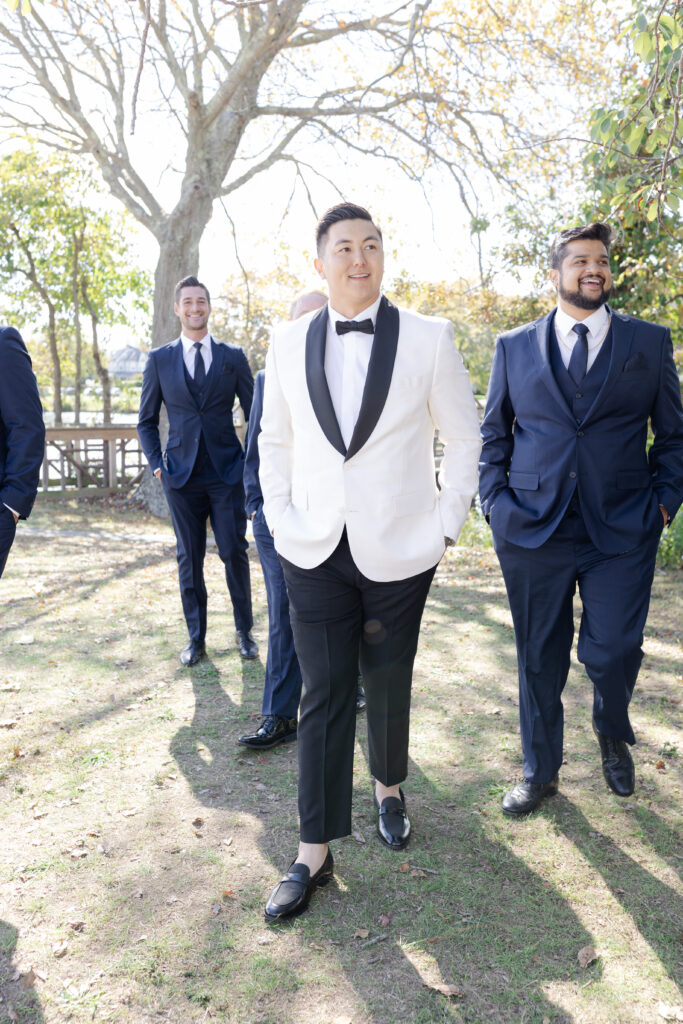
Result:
x=579 y=433
x=572 y=476
x=579 y=395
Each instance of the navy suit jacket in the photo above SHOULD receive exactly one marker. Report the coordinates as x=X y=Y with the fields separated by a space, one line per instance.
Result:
x=22 y=431
x=164 y=381
x=252 y=485
x=535 y=453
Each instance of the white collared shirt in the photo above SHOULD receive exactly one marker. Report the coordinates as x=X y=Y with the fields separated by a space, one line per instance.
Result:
x=190 y=352
x=597 y=324
x=346 y=367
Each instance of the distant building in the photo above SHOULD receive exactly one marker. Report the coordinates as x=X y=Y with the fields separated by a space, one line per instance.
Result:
x=127 y=362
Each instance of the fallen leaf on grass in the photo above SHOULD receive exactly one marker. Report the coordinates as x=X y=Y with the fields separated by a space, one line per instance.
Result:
x=171 y=900
x=198 y=822
x=670 y=1012
x=60 y=949
x=76 y=854
x=418 y=873
x=39 y=814
x=26 y=639
x=452 y=991
x=17 y=753
x=359 y=838
x=661 y=767
x=403 y=868
x=8 y=723
x=384 y=919
x=129 y=813
x=228 y=894
x=587 y=956
x=28 y=980
x=320 y=949
x=361 y=933
x=264 y=940
x=77 y=926
x=228 y=841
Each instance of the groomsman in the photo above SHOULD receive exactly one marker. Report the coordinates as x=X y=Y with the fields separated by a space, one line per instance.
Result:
x=282 y=686
x=353 y=395
x=575 y=498
x=22 y=437
x=200 y=467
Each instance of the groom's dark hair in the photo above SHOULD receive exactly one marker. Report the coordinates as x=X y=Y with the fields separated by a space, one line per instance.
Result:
x=342 y=211
x=598 y=230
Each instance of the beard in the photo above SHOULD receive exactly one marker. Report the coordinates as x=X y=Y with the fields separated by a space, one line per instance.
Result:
x=581 y=301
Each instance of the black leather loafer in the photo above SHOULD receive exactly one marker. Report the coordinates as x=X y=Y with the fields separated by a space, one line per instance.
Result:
x=526 y=796
x=273 y=730
x=393 y=826
x=193 y=653
x=247 y=645
x=361 y=702
x=293 y=892
x=617 y=764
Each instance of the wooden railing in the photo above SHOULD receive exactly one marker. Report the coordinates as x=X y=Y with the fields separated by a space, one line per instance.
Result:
x=91 y=460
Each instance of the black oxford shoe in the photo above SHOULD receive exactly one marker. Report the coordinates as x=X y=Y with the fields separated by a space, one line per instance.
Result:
x=361 y=702
x=193 y=653
x=273 y=730
x=247 y=645
x=617 y=764
x=526 y=796
x=293 y=892
x=393 y=826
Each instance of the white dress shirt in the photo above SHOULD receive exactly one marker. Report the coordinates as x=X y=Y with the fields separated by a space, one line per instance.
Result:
x=597 y=324
x=190 y=352
x=346 y=367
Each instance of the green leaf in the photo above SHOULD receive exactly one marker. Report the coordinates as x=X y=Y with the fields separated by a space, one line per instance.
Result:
x=652 y=210
x=644 y=47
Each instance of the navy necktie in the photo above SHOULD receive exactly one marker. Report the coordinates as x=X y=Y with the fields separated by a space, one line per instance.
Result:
x=364 y=326
x=578 y=364
x=199 y=368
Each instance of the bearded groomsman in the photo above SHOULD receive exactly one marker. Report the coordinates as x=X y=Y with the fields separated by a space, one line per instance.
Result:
x=353 y=395
x=575 y=498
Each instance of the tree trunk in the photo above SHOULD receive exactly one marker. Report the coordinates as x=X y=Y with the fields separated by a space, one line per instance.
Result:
x=178 y=258
x=101 y=369
x=56 y=364
x=78 y=382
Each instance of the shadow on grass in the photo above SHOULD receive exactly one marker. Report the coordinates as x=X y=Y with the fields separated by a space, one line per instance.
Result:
x=18 y=1003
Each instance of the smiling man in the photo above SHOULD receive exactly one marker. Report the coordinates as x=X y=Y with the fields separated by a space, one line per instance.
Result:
x=201 y=465
x=574 y=497
x=353 y=395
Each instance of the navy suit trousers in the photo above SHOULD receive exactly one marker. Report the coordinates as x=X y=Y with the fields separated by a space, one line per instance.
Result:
x=282 y=689
x=615 y=594
x=8 y=529
x=203 y=497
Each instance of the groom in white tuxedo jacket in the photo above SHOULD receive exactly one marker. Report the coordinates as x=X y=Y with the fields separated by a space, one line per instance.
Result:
x=353 y=396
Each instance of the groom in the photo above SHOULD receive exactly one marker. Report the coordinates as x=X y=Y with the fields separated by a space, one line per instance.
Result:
x=353 y=396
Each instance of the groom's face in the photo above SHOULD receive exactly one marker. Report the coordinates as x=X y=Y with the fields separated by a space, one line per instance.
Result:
x=351 y=260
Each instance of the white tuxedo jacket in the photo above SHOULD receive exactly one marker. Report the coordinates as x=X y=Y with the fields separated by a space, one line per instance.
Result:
x=383 y=488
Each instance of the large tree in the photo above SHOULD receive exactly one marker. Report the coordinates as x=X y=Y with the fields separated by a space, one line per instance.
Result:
x=241 y=86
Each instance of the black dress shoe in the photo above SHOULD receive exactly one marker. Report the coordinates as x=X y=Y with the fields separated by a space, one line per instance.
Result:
x=526 y=796
x=273 y=729
x=293 y=892
x=247 y=645
x=393 y=826
x=361 y=702
x=617 y=764
x=193 y=653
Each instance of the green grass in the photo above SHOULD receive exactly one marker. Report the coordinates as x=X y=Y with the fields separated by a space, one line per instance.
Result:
x=119 y=751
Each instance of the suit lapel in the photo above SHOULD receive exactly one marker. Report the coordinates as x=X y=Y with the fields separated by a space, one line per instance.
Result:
x=539 y=339
x=622 y=328
x=213 y=376
x=316 y=337
x=380 y=370
x=178 y=367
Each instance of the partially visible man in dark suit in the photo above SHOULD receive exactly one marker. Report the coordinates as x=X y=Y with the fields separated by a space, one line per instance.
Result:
x=22 y=437
x=282 y=685
x=574 y=496
x=197 y=379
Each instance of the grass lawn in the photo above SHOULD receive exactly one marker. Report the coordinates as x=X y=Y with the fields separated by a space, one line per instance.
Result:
x=138 y=842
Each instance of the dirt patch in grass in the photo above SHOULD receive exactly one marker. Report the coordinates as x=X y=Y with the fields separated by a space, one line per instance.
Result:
x=139 y=842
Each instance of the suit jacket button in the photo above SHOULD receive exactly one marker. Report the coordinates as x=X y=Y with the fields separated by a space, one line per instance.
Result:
x=579 y=433
x=572 y=476
x=579 y=395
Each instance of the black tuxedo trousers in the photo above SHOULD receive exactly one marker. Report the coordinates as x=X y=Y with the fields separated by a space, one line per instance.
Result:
x=340 y=620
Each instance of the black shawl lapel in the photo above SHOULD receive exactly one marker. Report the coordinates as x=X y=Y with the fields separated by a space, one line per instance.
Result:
x=316 y=338
x=622 y=328
x=540 y=346
x=380 y=370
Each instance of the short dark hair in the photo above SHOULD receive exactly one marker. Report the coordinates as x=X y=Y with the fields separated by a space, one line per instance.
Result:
x=342 y=211
x=190 y=282
x=598 y=230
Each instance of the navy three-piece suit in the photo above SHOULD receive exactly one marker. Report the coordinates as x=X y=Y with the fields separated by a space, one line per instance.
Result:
x=572 y=494
x=22 y=436
x=201 y=469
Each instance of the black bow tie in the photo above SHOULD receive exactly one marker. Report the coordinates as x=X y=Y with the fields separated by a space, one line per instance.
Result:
x=364 y=326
